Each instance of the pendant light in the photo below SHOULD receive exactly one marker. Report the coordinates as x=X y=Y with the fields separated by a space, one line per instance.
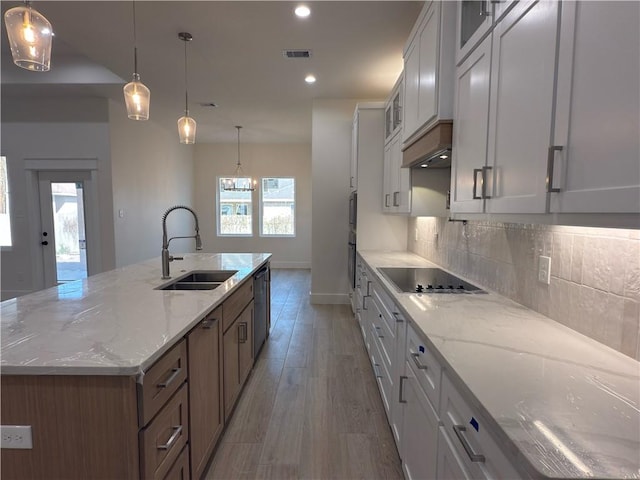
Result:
x=186 y=124
x=240 y=183
x=30 y=37
x=136 y=94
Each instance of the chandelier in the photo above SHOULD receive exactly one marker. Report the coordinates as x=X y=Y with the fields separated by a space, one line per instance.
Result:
x=239 y=183
x=136 y=93
x=29 y=34
x=186 y=124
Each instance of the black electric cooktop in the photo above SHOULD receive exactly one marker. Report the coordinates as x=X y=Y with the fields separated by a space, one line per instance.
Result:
x=427 y=280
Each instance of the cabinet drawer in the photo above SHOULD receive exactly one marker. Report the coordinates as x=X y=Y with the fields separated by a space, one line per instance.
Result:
x=161 y=381
x=380 y=332
x=162 y=441
x=387 y=309
x=467 y=431
x=427 y=369
x=382 y=374
x=234 y=305
x=180 y=469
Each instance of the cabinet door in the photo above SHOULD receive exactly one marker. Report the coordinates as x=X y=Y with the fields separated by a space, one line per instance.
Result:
x=475 y=19
x=387 y=185
x=401 y=177
x=353 y=182
x=205 y=402
x=411 y=89
x=471 y=129
x=597 y=112
x=231 y=376
x=521 y=106
x=245 y=342
x=429 y=48
x=450 y=466
x=420 y=432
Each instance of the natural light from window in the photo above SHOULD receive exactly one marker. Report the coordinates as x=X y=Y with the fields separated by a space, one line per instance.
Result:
x=5 y=220
x=234 y=210
x=278 y=207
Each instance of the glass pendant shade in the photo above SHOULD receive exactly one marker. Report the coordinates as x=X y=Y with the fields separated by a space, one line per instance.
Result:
x=187 y=129
x=137 y=98
x=30 y=37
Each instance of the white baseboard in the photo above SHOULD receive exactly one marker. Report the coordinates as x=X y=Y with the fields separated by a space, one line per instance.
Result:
x=291 y=265
x=329 y=298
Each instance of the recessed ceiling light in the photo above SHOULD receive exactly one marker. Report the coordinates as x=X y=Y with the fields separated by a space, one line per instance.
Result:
x=424 y=165
x=310 y=79
x=444 y=156
x=302 y=11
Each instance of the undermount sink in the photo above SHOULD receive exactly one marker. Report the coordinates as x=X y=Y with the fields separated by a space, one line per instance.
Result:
x=199 y=280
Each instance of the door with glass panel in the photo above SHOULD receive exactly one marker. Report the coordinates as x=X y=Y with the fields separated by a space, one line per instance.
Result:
x=64 y=229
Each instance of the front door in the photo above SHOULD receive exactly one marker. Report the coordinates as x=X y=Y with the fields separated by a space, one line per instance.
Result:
x=64 y=232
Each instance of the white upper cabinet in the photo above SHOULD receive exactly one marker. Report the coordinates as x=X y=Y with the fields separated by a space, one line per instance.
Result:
x=474 y=22
x=596 y=151
x=353 y=180
x=521 y=107
x=469 y=162
x=396 y=180
x=428 y=70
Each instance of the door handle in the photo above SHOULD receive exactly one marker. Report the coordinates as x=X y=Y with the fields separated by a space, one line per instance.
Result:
x=473 y=456
x=551 y=160
x=484 y=181
x=44 y=243
x=402 y=379
x=177 y=430
x=242 y=332
x=416 y=360
x=475 y=183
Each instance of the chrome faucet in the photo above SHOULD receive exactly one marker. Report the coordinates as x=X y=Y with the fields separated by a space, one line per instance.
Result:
x=166 y=258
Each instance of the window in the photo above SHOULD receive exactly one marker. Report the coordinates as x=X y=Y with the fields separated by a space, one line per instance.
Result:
x=5 y=220
x=234 y=210
x=278 y=202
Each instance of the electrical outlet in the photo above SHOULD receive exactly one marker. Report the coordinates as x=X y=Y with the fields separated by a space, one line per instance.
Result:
x=16 y=436
x=544 y=269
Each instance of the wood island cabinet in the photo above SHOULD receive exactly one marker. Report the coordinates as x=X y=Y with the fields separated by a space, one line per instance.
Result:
x=161 y=424
x=238 y=357
x=205 y=389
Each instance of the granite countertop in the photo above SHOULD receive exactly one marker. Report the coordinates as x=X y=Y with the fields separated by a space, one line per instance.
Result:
x=112 y=323
x=560 y=404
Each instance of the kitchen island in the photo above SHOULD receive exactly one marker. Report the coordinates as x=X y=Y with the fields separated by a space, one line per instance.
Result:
x=525 y=396
x=100 y=370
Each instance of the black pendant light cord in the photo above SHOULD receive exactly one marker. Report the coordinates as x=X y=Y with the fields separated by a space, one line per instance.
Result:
x=186 y=82
x=135 y=41
x=238 y=127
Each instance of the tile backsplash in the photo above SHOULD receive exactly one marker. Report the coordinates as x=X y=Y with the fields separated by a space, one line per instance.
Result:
x=595 y=272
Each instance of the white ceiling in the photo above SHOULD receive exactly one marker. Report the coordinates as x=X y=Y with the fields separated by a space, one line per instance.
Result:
x=235 y=59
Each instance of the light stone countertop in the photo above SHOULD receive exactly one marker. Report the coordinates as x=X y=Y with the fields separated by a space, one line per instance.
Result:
x=528 y=374
x=112 y=323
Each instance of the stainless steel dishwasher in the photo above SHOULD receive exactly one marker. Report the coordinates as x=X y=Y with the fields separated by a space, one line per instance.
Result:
x=262 y=308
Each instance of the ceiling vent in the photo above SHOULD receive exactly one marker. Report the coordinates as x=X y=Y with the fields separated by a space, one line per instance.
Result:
x=296 y=53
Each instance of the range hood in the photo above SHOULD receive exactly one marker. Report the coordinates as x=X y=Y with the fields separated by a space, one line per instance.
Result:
x=432 y=149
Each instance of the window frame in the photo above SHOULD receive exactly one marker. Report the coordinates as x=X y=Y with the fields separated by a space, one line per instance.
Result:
x=261 y=203
x=234 y=209
x=3 y=158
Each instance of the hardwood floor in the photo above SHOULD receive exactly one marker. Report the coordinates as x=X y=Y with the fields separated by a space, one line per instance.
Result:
x=311 y=407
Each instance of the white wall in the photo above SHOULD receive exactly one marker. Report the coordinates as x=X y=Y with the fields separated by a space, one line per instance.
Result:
x=330 y=161
x=258 y=160
x=151 y=172
x=50 y=130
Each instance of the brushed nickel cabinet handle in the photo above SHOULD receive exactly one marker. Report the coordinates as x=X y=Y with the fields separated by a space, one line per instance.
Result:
x=396 y=203
x=177 y=430
x=402 y=379
x=172 y=377
x=387 y=197
x=397 y=317
x=376 y=370
x=551 y=160
x=207 y=324
x=485 y=182
x=473 y=456
x=415 y=357
x=476 y=171
x=242 y=327
x=484 y=12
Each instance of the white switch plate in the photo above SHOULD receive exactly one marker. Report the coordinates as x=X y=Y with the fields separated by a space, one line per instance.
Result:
x=544 y=269
x=16 y=436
